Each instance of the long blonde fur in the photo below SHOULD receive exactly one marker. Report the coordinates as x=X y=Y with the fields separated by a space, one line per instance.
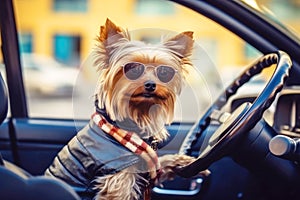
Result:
x=120 y=186
x=122 y=100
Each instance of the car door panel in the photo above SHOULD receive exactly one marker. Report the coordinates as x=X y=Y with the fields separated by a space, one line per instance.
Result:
x=24 y=142
x=44 y=130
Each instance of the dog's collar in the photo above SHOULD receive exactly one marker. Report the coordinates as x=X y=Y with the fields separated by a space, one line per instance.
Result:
x=102 y=111
x=151 y=141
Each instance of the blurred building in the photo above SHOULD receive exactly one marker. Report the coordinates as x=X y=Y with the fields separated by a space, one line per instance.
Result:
x=66 y=29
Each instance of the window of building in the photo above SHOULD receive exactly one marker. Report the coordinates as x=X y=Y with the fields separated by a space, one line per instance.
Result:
x=67 y=48
x=150 y=7
x=26 y=40
x=286 y=10
x=251 y=52
x=70 y=5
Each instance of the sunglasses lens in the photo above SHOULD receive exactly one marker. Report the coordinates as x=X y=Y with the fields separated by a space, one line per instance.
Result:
x=165 y=73
x=133 y=70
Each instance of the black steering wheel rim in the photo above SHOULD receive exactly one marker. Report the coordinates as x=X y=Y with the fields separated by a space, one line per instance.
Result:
x=247 y=116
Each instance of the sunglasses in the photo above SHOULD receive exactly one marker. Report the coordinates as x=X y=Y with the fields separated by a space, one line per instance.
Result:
x=134 y=70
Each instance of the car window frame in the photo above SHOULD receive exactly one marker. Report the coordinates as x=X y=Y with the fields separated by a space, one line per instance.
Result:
x=12 y=62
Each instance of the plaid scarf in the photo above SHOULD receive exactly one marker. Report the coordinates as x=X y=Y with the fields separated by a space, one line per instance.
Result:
x=132 y=142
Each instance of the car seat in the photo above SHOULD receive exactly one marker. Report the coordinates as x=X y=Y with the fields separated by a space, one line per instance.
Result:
x=16 y=183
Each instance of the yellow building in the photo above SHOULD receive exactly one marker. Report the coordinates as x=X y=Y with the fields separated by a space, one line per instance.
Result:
x=66 y=29
x=50 y=27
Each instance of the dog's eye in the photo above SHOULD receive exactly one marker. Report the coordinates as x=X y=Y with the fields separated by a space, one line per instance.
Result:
x=133 y=70
x=165 y=73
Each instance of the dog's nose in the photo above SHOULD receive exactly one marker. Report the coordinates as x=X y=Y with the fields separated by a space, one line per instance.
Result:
x=150 y=86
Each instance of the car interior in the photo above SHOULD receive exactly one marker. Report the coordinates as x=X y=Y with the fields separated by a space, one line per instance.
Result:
x=248 y=141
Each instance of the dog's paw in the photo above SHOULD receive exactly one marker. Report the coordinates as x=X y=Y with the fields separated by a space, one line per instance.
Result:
x=170 y=162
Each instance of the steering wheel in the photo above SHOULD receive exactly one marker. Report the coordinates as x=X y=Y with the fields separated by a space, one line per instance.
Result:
x=238 y=123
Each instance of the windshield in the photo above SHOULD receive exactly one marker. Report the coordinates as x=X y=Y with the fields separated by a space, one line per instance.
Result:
x=284 y=13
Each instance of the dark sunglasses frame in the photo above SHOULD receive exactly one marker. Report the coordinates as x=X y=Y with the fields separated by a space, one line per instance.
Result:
x=134 y=70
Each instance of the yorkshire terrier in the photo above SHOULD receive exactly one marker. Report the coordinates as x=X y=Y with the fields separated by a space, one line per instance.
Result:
x=114 y=156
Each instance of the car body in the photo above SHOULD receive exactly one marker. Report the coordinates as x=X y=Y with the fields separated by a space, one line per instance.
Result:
x=45 y=76
x=33 y=142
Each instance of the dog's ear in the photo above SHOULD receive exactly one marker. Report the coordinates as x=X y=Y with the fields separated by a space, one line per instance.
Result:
x=111 y=33
x=181 y=44
x=110 y=37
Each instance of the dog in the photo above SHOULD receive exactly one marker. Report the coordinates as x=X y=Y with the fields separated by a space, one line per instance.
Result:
x=114 y=156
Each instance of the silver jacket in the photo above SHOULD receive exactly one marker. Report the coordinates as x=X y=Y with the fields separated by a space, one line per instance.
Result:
x=90 y=154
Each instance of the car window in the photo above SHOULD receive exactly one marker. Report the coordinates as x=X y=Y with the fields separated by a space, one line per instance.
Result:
x=56 y=38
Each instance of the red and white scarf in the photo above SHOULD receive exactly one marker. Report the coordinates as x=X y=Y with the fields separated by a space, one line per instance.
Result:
x=132 y=142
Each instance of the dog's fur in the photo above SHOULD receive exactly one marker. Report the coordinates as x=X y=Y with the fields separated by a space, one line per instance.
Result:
x=123 y=99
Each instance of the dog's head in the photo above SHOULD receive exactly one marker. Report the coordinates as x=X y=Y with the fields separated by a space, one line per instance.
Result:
x=138 y=81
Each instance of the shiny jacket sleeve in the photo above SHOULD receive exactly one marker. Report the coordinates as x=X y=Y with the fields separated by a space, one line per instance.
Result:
x=91 y=153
